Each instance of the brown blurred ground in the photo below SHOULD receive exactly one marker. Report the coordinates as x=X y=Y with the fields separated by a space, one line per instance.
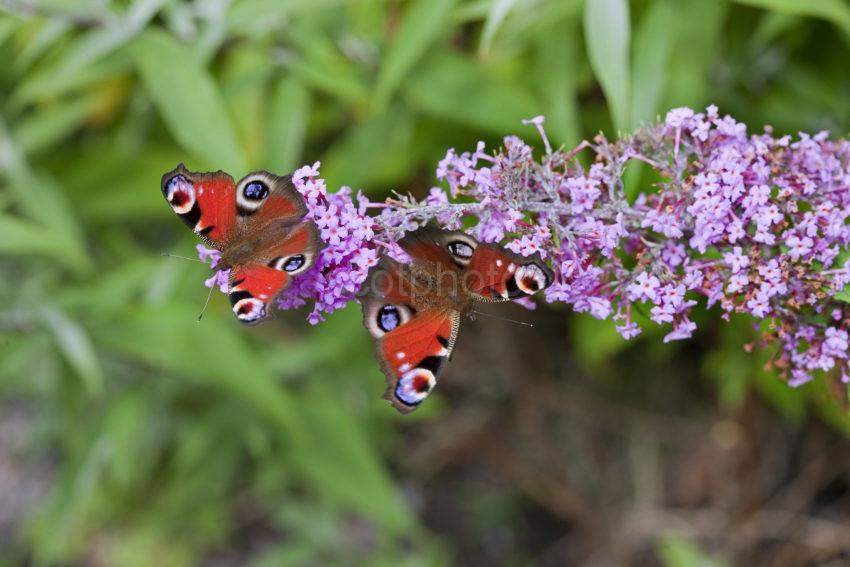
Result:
x=538 y=462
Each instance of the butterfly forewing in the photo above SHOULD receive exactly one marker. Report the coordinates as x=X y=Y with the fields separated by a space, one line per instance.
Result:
x=263 y=198
x=204 y=201
x=496 y=274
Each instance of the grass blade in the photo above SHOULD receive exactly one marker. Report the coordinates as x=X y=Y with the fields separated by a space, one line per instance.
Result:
x=423 y=23
x=606 y=33
x=654 y=40
x=199 y=122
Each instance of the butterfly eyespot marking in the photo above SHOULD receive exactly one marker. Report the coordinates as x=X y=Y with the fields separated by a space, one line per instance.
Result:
x=414 y=386
x=256 y=191
x=249 y=309
x=251 y=194
x=180 y=194
x=380 y=320
x=292 y=265
x=530 y=278
x=461 y=248
x=389 y=318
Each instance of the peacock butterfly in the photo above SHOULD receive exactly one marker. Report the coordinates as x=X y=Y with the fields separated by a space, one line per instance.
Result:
x=256 y=224
x=413 y=310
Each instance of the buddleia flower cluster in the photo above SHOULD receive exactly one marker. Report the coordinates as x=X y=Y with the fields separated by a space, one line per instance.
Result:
x=755 y=225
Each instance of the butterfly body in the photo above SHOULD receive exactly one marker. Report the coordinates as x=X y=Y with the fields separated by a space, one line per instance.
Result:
x=258 y=227
x=413 y=310
x=433 y=286
x=246 y=245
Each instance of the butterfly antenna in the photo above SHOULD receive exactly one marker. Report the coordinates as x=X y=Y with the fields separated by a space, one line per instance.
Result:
x=207 y=302
x=503 y=318
x=170 y=255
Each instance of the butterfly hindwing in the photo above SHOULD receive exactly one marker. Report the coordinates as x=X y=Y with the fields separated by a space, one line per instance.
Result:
x=255 y=287
x=252 y=290
x=412 y=345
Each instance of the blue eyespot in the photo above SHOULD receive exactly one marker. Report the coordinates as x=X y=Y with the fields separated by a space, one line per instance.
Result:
x=294 y=262
x=289 y=264
x=174 y=181
x=388 y=318
x=256 y=191
x=461 y=250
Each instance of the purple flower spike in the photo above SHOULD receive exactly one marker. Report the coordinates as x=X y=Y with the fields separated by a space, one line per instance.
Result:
x=753 y=224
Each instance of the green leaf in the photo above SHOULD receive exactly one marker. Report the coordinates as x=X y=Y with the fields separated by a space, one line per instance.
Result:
x=321 y=65
x=730 y=367
x=188 y=100
x=46 y=84
x=699 y=38
x=102 y=40
x=45 y=128
x=112 y=183
x=606 y=33
x=677 y=551
x=287 y=125
x=348 y=469
x=25 y=238
x=654 y=41
x=422 y=25
x=244 y=80
x=596 y=341
x=76 y=346
x=372 y=152
x=48 y=33
x=42 y=200
x=456 y=88
x=840 y=261
x=499 y=10
x=255 y=16
x=7 y=27
x=92 y=46
x=835 y=11
x=212 y=352
x=790 y=403
x=557 y=57
x=771 y=25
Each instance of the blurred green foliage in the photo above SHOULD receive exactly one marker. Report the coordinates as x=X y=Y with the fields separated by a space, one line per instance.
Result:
x=157 y=429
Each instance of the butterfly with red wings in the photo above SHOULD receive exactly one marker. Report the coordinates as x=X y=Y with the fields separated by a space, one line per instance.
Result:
x=256 y=224
x=413 y=310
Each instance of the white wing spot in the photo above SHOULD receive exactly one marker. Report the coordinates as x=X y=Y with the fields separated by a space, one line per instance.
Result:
x=499 y=263
x=404 y=367
x=249 y=309
x=511 y=267
x=530 y=279
x=414 y=386
x=400 y=355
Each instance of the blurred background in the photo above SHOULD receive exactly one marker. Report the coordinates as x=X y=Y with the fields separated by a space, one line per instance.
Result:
x=131 y=434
